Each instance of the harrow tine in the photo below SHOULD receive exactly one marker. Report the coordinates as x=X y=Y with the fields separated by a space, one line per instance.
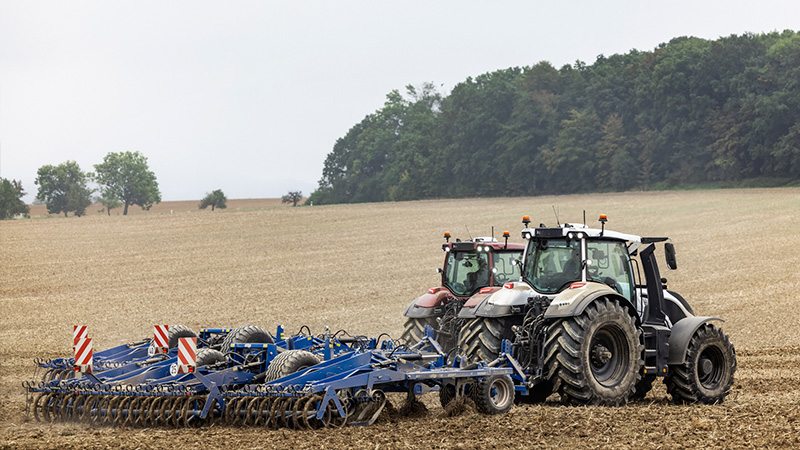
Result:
x=300 y=419
x=123 y=411
x=178 y=405
x=113 y=411
x=37 y=405
x=133 y=411
x=102 y=402
x=165 y=413
x=65 y=407
x=47 y=407
x=77 y=407
x=264 y=408
x=144 y=412
x=251 y=412
x=153 y=410
x=230 y=410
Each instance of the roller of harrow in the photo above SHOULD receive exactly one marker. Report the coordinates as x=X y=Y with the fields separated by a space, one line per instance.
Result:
x=326 y=382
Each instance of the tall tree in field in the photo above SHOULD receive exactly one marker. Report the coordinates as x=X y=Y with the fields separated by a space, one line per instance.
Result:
x=63 y=188
x=292 y=197
x=215 y=199
x=127 y=177
x=11 y=202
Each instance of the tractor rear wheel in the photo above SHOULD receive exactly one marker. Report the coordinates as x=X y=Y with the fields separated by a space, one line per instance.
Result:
x=289 y=362
x=482 y=337
x=247 y=334
x=494 y=394
x=176 y=332
x=595 y=358
x=707 y=374
x=208 y=356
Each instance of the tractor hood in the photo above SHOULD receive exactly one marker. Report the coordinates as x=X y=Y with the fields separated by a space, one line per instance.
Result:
x=509 y=300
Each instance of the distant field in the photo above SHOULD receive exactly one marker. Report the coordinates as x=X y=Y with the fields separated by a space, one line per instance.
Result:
x=357 y=267
x=169 y=207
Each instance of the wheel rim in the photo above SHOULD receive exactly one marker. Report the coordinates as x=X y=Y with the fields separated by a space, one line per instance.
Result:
x=608 y=355
x=500 y=394
x=710 y=367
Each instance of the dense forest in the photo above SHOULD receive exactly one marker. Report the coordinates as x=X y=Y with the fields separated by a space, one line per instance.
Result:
x=692 y=112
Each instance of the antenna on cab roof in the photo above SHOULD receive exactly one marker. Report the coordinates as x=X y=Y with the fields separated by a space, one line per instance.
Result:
x=468 y=233
x=558 y=222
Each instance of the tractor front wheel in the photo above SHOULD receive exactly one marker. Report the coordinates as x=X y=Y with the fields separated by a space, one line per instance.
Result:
x=595 y=358
x=482 y=337
x=707 y=374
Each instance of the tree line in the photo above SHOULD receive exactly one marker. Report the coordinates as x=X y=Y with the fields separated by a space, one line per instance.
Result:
x=690 y=112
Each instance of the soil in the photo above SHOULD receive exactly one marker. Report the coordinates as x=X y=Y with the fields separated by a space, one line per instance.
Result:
x=356 y=267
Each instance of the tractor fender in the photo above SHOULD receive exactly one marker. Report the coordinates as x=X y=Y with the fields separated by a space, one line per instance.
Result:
x=574 y=300
x=681 y=334
x=506 y=301
x=428 y=305
x=471 y=305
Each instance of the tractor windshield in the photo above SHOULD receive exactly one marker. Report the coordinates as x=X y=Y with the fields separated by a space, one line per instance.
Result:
x=466 y=271
x=551 y=264
x=503 y=270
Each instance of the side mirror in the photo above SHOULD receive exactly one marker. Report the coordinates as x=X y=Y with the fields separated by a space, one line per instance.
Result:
x=439 y=270
x=669 y=252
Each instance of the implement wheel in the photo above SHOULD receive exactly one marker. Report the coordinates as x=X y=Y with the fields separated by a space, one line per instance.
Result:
x=595 y=358
x=707 y=374
x=207 y=356
x=176 y=332
x=289 y=362
x=247 y=334
x=493 y=395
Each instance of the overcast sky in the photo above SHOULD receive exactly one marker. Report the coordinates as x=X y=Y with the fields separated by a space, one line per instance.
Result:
x=250 y=96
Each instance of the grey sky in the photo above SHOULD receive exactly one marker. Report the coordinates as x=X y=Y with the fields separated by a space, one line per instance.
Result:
x=250 y=96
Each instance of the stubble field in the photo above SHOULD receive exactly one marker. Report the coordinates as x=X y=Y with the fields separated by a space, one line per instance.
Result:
x=357 y=267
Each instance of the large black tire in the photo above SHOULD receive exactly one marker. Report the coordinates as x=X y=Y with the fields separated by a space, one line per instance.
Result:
x=595 y=358
x=481 y=337
x=247 y=334
x=494 y=394
x=208 y=356
x=707 y=374
x=414 y=331
x=176 y=332
x=289 y=362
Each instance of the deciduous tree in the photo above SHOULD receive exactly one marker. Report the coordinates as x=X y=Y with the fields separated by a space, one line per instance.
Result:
x=63 y=188
x=127 y=177
x=11 y=202
x=215 y=199
x=292 y=197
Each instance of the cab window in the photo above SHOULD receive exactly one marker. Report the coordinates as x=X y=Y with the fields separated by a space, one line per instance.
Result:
x=611 y=265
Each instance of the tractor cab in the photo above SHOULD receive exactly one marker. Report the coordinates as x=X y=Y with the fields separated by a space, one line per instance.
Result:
x=471 y=268
x=567 y=257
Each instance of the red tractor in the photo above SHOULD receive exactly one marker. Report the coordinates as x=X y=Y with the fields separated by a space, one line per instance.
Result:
x=473 y=268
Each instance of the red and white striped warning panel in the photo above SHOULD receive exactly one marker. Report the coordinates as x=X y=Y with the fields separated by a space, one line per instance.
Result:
x=79 y=332
x=187 y=354
x=83 y=355
x=161 y=338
